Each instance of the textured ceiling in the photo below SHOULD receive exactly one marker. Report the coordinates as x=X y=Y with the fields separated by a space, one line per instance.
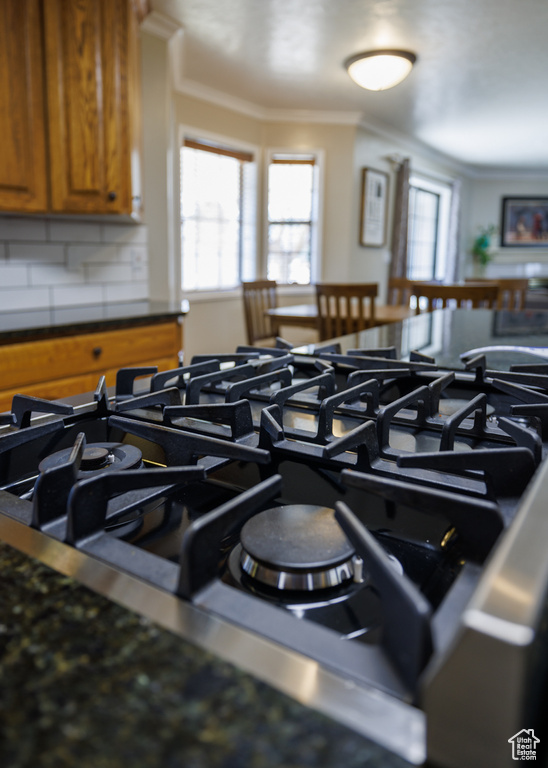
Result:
x=478 y=92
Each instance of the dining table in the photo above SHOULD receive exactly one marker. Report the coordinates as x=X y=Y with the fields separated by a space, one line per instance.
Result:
x=306 y=315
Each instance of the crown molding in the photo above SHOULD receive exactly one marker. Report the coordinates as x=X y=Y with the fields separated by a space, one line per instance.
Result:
x=385 y=132
x=160 y=25
x=509 y=174
x=265 y=114
x=329 y=117
x=205 y=93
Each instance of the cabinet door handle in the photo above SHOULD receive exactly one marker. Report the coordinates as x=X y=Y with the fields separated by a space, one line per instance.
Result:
x=112 y=196
x=97 y=352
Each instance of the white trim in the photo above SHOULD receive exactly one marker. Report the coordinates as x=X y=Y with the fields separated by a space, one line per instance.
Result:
x=160 y=25
x=230 y=294
x=204 y=93
x=264 y=114
x=324 y=117
x=411 y=144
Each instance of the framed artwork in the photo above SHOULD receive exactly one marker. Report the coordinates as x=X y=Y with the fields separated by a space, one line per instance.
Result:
x=374 y=199
x=524 y=222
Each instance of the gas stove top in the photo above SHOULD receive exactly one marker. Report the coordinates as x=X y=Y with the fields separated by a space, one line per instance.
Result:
x=350 y=526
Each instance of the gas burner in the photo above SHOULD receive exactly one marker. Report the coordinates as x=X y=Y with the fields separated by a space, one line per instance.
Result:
x=296 y=547
x=97 y=457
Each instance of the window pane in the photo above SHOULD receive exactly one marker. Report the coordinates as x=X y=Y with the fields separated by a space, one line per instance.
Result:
x=290 y=217
x=210 y=219
x=290 y=192
x=289 y=253
x=422 y=234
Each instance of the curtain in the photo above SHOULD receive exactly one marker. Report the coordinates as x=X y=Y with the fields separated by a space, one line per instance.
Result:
x=398 y=261
x=453 y=267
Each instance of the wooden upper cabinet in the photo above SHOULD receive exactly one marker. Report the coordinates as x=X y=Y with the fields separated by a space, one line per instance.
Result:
x=23 y=174
x=70 y=106
x=93 y=109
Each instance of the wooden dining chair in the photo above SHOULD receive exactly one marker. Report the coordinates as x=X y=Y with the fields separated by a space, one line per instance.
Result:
x=399 y=291
x=345 y=308
x=474 y=295
x=258 y=296
x=512 y=293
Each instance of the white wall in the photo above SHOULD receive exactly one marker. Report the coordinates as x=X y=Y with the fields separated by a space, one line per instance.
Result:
x=486 y=208
x=373 y=151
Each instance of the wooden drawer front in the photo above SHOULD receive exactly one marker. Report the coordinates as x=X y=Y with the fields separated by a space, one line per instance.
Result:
x=73 y=385
x=58 y=358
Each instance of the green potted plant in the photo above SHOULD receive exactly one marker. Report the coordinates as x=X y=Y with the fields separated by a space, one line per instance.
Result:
x=481 y=248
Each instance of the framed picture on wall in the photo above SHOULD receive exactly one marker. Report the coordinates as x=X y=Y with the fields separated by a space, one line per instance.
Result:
x=524 y=222
x=374 y=199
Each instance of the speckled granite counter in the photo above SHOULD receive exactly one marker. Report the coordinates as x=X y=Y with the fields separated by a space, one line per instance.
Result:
x=41 y=323
x=88 y=683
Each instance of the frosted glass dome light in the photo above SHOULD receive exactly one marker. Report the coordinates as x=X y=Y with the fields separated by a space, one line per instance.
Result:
x=380 y=70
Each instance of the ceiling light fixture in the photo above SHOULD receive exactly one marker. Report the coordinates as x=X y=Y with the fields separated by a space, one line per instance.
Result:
x=379 y=70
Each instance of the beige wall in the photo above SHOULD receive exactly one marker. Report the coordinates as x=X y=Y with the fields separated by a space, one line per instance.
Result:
x=336 y=142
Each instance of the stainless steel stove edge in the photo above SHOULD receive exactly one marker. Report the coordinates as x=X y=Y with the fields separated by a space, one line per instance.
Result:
x=394 y=724
x=485 y=689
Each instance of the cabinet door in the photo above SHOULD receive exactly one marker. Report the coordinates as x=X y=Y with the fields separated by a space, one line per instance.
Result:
x=87 y=58
x=23 y=182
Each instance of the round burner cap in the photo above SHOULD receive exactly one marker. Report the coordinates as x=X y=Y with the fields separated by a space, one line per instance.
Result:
x=98 y=456
x=94 y=457
x=298 y=546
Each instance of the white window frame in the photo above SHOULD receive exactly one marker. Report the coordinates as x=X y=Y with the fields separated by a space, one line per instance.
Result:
x=189 y=131
x=317 y=208
x=443 y=189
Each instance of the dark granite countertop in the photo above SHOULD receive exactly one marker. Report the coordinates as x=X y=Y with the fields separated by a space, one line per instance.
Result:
x=42 y=323
x=88 y=683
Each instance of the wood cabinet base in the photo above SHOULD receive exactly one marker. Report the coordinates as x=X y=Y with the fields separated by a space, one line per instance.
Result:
x=57 y=367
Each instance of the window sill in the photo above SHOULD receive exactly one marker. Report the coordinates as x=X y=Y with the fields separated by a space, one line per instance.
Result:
x=236 y=293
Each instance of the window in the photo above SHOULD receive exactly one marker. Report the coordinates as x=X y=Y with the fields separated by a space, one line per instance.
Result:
x=292 y=218
x=428 y=224
x=217 y=216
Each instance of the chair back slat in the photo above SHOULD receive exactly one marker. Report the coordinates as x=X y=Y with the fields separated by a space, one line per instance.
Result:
x=258 y=296
x=399 y=291
x=345 y=308
x=512 y=292
x=470 y=295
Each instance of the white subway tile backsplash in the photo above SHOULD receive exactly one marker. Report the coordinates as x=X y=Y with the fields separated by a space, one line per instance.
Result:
x=106 y=273
x=83 y=254
x=74 y=231
x=126 y=291
x=139 y=271
x=55 y=274
x=21 y=228
x=12 y=275
x=133 y=253
x=54 y=264
x=124 y=233
x=37 y=252
x=71 y=295
x=24 y=298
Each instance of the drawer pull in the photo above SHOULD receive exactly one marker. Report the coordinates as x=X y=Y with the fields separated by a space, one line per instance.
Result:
x=97 y=352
